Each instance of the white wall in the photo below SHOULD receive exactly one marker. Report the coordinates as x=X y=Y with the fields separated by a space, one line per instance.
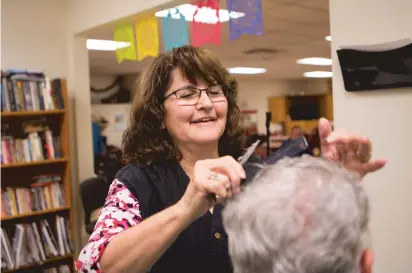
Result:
x=386 y=117
x=0 y=39
x=109 y=112
x=254 y=94
x=88 y=14
x=30 y=40
x=101 y=80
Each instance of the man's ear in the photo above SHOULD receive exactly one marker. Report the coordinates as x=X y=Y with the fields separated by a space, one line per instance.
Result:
x=366 y=261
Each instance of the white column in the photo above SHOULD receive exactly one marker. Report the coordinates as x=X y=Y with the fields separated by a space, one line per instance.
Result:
x=81 y=133
x=386 y=117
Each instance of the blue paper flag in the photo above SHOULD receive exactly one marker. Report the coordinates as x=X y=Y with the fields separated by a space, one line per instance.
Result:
x=174 y=28
x=250 y=22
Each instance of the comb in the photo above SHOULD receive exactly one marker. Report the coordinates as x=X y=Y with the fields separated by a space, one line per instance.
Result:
x=295 y=147
x=292 y=149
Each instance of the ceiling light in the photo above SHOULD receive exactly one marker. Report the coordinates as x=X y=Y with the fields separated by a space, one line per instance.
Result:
x=315 y=61
x=204 y=14
x=246 y=70
x=106 y=45
x=318 y=74
x=328 y=38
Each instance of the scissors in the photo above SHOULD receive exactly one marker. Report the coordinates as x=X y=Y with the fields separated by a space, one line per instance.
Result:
x=245 y=157
x=249 y=152
x=242 y=160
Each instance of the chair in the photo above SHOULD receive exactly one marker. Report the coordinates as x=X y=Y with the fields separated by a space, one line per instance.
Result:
x=93 y=193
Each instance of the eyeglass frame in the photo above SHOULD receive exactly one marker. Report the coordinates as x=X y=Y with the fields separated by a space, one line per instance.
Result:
x=199 y=89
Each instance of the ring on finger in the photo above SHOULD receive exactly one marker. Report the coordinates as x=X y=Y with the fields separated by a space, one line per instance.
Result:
x=228 y=186
x=213 y=176
x=364 y=157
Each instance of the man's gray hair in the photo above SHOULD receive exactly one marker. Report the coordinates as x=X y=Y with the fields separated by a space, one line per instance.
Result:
x=301 y=215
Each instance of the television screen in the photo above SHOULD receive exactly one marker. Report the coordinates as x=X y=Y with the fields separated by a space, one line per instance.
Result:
x=304 y=108
x=369 y=70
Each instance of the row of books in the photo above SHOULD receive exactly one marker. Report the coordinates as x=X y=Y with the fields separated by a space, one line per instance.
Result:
x=23 y=90
x=35 y=243
x=39 y=197
x=36 y=146
x=61 y=269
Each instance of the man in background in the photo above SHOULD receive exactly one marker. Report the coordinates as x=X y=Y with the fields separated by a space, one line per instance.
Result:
x=301 y=215
x=295 y=133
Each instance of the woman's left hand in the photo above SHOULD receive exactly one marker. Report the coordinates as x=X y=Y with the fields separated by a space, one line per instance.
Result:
x=352 y=150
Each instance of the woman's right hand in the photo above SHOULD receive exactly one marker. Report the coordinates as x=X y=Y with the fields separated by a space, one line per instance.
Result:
x=214 y=180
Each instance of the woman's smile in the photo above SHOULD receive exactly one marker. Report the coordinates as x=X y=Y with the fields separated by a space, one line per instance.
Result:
x=204 y=121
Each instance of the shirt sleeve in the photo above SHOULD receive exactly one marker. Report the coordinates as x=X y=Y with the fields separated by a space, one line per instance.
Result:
x=121 y=211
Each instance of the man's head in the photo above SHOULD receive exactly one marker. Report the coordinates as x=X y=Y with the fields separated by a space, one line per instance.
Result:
x=301 y=215
x=296 y=132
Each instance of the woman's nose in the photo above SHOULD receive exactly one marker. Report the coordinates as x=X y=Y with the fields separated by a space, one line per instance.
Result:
x=204 y=100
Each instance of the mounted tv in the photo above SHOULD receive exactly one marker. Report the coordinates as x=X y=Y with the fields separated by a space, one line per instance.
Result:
x=304 y=107
x=380 y=66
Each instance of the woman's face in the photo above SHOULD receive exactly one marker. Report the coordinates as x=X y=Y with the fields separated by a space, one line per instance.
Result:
x=202 y=123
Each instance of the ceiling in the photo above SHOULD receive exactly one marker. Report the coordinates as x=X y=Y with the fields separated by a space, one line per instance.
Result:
x=293 y=29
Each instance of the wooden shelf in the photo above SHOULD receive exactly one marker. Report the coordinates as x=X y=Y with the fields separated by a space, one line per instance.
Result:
x=20 y=174
x=32 y=113
x=41 y=264
x=34 y=163
x=33 y=213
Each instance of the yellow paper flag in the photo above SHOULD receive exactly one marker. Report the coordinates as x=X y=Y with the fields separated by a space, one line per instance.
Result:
x=124 y=35
x=147 y=37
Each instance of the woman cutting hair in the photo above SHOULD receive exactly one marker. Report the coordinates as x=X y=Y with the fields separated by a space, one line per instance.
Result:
x=163 y=210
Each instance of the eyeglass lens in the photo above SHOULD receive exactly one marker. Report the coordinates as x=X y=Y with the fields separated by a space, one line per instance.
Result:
x=191 y=95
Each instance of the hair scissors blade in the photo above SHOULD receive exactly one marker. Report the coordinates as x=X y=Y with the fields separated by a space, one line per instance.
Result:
x=249 y=152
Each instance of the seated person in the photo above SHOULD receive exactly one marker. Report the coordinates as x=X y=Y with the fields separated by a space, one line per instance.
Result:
x=295 y=133
x=301 y=215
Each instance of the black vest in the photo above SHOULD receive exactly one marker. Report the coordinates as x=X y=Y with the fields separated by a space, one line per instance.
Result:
x=202 y=247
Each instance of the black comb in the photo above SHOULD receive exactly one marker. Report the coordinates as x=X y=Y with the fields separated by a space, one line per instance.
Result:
x=293 y=148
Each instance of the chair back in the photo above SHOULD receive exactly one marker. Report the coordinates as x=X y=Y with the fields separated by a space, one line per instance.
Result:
x=93 y=193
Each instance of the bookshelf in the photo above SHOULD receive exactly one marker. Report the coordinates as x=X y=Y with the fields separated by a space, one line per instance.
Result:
x=33 y=113
x=38 y=162
x=36 y=212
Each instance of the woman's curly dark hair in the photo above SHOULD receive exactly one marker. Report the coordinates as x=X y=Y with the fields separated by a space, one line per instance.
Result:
x=145 y=140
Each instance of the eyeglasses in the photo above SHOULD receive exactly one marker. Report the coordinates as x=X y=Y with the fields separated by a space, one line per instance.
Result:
x=190 y=95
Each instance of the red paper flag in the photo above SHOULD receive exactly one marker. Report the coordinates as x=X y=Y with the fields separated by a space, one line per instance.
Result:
x=206 y=23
